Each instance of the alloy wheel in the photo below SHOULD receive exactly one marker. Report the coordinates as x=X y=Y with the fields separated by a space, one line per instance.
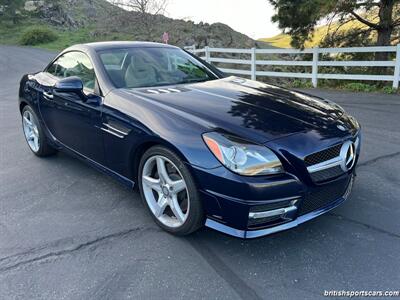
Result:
x=165 y=191
x=31 y=130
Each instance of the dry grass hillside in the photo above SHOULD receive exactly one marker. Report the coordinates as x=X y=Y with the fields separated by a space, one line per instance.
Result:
x=283 y=40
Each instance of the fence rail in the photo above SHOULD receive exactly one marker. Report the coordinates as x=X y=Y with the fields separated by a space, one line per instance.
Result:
x=315 y=63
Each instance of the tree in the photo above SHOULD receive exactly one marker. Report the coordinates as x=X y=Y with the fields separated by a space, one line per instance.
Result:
x=10 y=10
x=145 y=12
x=152 y=7
x=379 y=18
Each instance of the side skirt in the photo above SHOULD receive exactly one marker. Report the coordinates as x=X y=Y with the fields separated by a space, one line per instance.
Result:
x=122 y=179
x=61 y=147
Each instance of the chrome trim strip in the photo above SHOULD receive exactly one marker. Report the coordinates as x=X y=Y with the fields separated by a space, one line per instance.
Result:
x=111 y=132
x=164 y=91
x=174 y=90
x=48 y=96
x=115 y=129
x=336 y=161
x=272 y=213
x=153 y=91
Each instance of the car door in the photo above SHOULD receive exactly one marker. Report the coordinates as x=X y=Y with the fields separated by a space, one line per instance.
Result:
x=72 y=118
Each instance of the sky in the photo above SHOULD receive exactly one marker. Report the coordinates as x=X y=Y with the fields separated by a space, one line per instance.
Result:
x=251 y=17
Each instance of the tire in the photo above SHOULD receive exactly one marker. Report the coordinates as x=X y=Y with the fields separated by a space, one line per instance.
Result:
x=40 y=148
x=188 y=199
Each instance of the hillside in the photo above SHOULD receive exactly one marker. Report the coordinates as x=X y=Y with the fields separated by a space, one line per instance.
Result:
x=283 y=40
x=78 y=21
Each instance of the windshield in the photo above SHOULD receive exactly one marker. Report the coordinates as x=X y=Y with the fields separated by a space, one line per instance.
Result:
x=149 y=67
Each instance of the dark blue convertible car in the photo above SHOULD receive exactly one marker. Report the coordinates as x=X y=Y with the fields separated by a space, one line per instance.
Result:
x=240 y=156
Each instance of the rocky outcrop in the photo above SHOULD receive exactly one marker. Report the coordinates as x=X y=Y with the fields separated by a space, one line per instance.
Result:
x=31 y=6
x=105 y=20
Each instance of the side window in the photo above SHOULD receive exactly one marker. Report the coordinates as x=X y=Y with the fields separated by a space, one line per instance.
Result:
x=74 y=64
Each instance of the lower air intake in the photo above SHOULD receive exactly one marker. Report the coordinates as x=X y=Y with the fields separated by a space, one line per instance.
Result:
x=323 y=196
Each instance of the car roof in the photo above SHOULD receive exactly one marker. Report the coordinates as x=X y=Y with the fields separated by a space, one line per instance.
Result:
x=99 y=46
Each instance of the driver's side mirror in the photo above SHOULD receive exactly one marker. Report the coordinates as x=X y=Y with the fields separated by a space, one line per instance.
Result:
x=71 y=84
x=74 y=85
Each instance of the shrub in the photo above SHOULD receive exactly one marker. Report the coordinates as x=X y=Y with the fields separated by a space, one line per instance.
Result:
x=300 y=84
x=360 y=87
x=389 y=90
x=38 y=35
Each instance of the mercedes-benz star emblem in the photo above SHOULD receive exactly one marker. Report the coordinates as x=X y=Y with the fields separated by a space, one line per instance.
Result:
x=348 y=156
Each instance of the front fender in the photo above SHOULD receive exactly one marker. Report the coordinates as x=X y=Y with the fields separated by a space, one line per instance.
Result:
x=161 y=125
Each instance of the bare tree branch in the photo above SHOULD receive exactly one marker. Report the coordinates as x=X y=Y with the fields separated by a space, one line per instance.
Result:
x=153 y=7
x=333 y=34
x=364 y=21
x=145 y=13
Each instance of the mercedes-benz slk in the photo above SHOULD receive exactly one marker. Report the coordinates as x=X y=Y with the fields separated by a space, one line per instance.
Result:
x=243 y=157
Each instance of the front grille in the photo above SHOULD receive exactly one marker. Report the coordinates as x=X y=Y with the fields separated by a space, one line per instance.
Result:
x=323 y=195
x=323 y=155
x=326 y=174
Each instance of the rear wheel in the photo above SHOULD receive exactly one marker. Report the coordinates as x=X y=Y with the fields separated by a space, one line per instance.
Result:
x=169 y=191
x=34 y=135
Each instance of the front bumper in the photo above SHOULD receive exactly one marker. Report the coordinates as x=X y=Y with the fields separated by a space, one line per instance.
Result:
x=249 y=234
x=291 y=201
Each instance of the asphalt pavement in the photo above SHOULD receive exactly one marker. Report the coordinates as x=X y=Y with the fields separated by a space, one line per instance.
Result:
x=70 y=232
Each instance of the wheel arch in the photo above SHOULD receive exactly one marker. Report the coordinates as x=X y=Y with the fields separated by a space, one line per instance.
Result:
x=22 y=104
x=138 y=151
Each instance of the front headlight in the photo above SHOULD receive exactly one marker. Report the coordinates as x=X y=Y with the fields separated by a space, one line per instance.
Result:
x=242 y=157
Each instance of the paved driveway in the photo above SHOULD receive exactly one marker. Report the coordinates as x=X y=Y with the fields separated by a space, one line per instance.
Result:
x=68 y=231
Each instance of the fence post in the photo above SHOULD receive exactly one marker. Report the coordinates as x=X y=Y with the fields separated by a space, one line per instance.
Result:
x=207 y=50
x=253 y=64
x=314 y=75
x=396 y=76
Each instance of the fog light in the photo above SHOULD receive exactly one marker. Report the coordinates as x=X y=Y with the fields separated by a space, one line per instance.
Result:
x=272 y=213
x=276 y=213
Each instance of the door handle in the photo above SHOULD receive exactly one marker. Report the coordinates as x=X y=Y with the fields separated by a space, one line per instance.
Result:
x=48 y=95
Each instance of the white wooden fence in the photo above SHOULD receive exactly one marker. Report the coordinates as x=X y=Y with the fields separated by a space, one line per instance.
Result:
x=253 y=62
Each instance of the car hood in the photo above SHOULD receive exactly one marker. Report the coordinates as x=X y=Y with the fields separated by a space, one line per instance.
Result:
x=250 y=109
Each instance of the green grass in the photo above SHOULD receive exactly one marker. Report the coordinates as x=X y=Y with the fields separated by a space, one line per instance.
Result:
x=344 y=86
x=12 y=34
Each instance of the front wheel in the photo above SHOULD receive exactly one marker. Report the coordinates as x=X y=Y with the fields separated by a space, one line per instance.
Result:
x=169 y=191
x=34 y=135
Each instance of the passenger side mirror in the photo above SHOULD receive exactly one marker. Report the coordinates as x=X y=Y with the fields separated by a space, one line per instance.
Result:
x=71 y=84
